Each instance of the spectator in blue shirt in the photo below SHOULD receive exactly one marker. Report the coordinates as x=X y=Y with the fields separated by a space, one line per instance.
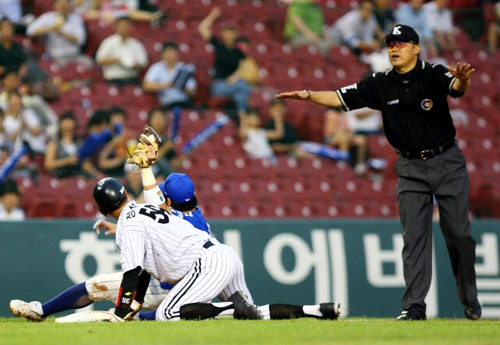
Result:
x=441 y=23
x=12 y=10
x=414 y=15
x=358 y=28
x=172 y=80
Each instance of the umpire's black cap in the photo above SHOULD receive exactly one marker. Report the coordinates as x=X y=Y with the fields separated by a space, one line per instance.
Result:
x=109 y=195
x=403 y=33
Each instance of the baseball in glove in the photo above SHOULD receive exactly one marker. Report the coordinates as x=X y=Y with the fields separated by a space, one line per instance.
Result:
x=146 y=152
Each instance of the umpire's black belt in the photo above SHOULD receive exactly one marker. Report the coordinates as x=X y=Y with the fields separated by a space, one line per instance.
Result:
x=427 y=154
x=208 y=244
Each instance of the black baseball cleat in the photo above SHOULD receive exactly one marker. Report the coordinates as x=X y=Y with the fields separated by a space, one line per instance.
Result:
x=330 y=311
x=473 y=311
x=243 y=310
x=414 y=313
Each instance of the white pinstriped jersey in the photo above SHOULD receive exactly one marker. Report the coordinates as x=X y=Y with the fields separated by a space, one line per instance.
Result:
x=164 y=245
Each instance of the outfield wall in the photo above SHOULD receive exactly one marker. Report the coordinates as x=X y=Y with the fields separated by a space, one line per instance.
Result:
x=357 y=263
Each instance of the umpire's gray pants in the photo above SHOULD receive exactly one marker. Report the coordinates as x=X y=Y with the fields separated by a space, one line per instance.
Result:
x=446 y=177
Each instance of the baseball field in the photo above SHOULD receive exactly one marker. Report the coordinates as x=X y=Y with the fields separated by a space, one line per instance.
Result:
x=221 y=332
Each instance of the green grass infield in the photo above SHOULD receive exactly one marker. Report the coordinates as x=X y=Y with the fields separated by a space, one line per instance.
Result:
x=221 y=332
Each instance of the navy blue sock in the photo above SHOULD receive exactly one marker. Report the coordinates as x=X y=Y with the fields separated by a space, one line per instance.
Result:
x=73 y=298
x=147 y=316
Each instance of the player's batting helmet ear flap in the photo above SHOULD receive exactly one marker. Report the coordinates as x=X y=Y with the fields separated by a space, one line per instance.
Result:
x=109 y=195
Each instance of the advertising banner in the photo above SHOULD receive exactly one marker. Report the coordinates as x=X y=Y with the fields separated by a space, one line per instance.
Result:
x=356 y=263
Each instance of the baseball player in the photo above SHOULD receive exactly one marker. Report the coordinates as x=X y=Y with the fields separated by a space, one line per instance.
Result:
x=144 y=157
x=83 y=294
x=179 y=191
x=152 y=242
x=105 y=286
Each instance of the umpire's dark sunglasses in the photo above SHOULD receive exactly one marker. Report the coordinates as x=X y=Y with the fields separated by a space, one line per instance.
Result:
x=398 y=44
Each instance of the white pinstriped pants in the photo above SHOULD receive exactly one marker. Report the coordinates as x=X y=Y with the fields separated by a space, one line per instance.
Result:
x=218 y=272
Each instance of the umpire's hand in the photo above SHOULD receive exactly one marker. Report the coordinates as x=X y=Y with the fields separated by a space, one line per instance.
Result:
x=298 y=95
x=461 y=70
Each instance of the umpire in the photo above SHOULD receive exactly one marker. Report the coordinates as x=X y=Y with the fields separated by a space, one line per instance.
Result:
x=412 y=96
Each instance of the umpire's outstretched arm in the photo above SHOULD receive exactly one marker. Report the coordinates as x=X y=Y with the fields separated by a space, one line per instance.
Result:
x=462 y=71
x=328 y=98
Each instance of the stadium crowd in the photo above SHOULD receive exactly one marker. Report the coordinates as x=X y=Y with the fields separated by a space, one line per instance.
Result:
x=179 y=57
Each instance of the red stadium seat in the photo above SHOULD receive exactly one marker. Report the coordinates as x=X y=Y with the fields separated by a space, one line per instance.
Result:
x=42 y=207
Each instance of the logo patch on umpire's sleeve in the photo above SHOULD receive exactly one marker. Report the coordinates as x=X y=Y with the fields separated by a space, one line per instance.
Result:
x=349 y=87
x=426 y=104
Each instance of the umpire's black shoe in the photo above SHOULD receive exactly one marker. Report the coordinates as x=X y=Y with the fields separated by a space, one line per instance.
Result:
x=243 y=310
x=414 y=313
x=473 y=310
x=330 y=311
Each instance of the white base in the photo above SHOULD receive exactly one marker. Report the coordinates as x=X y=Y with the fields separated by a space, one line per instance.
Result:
x=88 y=316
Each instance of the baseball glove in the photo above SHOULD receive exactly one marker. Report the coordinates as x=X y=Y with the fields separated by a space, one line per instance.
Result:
x=147 y=150
x=149 y=137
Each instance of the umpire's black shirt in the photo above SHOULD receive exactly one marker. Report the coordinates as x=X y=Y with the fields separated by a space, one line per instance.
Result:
x=414 y=105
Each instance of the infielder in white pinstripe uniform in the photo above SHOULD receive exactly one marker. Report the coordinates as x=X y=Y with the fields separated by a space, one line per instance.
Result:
x=155 y=243
x=80 y=295
x=106 y=286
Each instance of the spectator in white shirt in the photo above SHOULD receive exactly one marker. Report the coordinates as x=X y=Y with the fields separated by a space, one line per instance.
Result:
x=365 y=121
x=172 y=80
x=22 y=125
x=64 y=34
x=9 y=205
x=441 y=23
x=358 y=29
x=34 y=104
x=255 y=138
x=122 y=57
